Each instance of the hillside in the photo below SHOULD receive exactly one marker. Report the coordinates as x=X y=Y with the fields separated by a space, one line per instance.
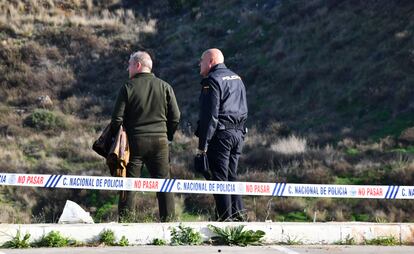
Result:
x=337 y=75
x=336 y=68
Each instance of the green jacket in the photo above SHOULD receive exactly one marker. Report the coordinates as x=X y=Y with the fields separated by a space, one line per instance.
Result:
x=146 y=106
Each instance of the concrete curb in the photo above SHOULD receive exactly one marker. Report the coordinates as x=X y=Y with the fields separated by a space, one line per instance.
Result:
x=276 y=232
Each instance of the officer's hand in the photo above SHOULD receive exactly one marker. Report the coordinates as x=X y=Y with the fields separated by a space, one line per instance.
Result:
x=201 y=151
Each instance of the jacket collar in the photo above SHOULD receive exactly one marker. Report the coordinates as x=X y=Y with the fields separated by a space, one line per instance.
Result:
x=214 y=68
x=217 y=66
x=143 y=74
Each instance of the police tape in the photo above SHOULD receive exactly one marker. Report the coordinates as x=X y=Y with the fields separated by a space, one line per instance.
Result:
x=207 y=187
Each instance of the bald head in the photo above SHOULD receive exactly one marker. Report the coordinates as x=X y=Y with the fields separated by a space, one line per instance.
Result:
x=209 y=58
x=215 y=55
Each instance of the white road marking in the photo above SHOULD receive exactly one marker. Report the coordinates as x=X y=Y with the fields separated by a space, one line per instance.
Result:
x=284 y=250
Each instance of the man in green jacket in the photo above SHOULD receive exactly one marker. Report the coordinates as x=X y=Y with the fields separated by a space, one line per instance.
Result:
x=147 y=108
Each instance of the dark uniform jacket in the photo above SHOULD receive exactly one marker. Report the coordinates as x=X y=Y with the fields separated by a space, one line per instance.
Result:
x=146 y=106
x=223 y=104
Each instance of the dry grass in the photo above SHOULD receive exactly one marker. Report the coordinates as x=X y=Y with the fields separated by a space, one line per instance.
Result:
x=290 y=145
x=21 y=18
x=12 y=158
x=45 y=151
x=10 y=214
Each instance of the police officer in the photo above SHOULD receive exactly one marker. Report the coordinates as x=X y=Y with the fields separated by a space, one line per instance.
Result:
x=221 y=127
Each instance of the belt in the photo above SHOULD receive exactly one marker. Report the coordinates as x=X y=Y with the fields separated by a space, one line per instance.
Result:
x=239 y=126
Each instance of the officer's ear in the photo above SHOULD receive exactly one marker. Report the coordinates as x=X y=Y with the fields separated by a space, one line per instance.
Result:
x=210 y=63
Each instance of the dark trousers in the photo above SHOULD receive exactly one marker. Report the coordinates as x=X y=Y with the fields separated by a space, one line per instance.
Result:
x=223 y=155
x=153 y=152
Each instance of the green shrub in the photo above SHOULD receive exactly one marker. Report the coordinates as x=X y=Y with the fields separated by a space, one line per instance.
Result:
x=107 y=237
x=347 y=241
x=158 y=242
x=298 y=216
x=52 y=239
x=360 y=217
x=185 y=236
x=103 y=211
x=42 y=119
x=291 y=240
x=352 y=151
x=17 y=242
x=123 y=242
x=403 y=150
x=236 y=236
x=383 y=240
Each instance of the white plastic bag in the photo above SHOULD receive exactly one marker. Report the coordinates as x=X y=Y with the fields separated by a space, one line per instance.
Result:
x=73 y=213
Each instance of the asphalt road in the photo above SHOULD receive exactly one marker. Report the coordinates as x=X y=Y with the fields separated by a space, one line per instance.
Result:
x=275 y=249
